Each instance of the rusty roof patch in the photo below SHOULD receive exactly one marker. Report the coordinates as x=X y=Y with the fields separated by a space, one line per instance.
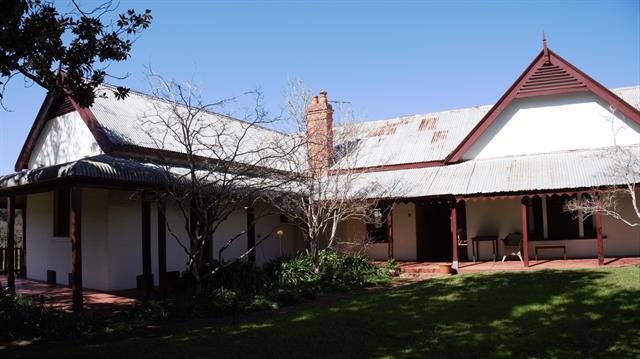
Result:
x=439 y=136
x=387 y=129
x=428 y=123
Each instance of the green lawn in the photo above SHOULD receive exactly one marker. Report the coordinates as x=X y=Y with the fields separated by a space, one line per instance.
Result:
x=544 y=314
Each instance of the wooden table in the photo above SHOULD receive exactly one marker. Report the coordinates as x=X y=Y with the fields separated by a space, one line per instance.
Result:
x=475 y=248
x=554 y=246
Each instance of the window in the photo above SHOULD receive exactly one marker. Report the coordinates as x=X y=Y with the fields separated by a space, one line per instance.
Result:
x=61 y=212
x=561 y=224
x=377 y=225
x=589 y=224
x=535 y=219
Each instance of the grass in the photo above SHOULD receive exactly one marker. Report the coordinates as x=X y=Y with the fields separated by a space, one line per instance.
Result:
x=541 y=314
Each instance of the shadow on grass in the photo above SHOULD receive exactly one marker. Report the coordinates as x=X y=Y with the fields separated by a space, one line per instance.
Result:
x=567 y=314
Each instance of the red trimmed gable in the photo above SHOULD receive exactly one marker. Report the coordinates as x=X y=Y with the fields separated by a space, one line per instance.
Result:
x=53 y=107
x=548 y=74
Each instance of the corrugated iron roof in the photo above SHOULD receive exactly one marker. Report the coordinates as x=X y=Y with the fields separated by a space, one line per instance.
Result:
x=96 y=167
x=540 y=172
x=135 y=121
x=630 y=95
x=428 y=137
x=402 y=140
x=418 y=138
x=132 y=171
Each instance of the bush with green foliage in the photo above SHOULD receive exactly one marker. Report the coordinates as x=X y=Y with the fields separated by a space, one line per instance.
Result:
x=241 y=287
x=338 y=271
x=24 y=318
x=294 y=271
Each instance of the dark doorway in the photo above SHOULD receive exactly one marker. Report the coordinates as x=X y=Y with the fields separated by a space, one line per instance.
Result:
x=433 y=224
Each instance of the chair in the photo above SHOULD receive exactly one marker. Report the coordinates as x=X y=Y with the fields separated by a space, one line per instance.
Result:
x=512 y=246
x=462 y=237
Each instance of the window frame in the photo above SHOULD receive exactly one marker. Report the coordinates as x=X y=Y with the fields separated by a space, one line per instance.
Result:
x=61 y=213
x=379 y=235
x=585 y=228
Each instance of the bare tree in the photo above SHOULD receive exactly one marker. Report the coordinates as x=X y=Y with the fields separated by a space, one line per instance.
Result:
x=330 y=191
x=624 y=170
x=214 y=164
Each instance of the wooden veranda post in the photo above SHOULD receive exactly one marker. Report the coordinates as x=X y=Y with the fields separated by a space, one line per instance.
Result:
x=23 y=258
x=162 y=247
x=75 y=235
x=598 y=216
x=454 y=235
x=390 y=253
x=11 y=240
x=251 y=234
x=147 y=281
x=525 y=232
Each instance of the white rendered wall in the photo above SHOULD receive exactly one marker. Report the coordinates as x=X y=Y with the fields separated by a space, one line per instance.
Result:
x=64 y=139
x=46 y=252
x=94 y=238
x=267 y=222
x=125 y=244
x=622 y=240
x=404 y=236
x=177 y=258
x=112 y=244
x=235 y=224
x=125 y=240
x=554 y=123
x=491 y=217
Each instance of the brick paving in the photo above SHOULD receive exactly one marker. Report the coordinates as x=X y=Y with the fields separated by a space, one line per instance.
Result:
x=491 y=266
x=60 y=297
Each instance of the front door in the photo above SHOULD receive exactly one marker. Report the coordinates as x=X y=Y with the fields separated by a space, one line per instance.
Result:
x=434 y=232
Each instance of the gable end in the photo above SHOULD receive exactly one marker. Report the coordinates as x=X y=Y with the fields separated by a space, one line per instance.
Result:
x=548 y=74
x=53 y=107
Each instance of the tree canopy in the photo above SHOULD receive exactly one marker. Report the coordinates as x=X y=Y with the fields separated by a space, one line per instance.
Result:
x=65 y=52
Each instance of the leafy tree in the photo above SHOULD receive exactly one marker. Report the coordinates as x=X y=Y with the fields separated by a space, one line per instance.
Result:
x=41 y=44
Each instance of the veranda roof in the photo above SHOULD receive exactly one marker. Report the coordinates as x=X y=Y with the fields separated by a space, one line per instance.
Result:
x=113 y=170
x=529 y=173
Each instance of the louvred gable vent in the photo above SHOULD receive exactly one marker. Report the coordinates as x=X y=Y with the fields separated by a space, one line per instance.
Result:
x=60 y=107
x=550 y=79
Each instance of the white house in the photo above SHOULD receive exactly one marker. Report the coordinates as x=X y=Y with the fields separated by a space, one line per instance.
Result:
x=468 y=177
x=463 y=180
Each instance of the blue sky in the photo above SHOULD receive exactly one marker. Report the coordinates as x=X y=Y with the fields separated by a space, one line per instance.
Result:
x=388 y=58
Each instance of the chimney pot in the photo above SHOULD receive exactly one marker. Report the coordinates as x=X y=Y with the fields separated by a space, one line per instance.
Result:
x=323 y=97
x=314 y=100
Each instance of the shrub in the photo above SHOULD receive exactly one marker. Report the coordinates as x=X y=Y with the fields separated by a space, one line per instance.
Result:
x=261 y=302
x=341 y=271
x=24 y=318
x=242 y=287
x=224 y=300
x=241 y=276
x=156 y=310
x=295 y=271
x=346 y=271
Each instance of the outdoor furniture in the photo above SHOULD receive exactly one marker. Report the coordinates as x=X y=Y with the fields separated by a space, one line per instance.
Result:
x=475 y=248
x=512 y=246
x=554 y=246
x=462 y=237
x=463 y=243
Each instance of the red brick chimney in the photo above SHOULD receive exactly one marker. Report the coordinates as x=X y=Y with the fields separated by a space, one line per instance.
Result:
x=320 y=134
